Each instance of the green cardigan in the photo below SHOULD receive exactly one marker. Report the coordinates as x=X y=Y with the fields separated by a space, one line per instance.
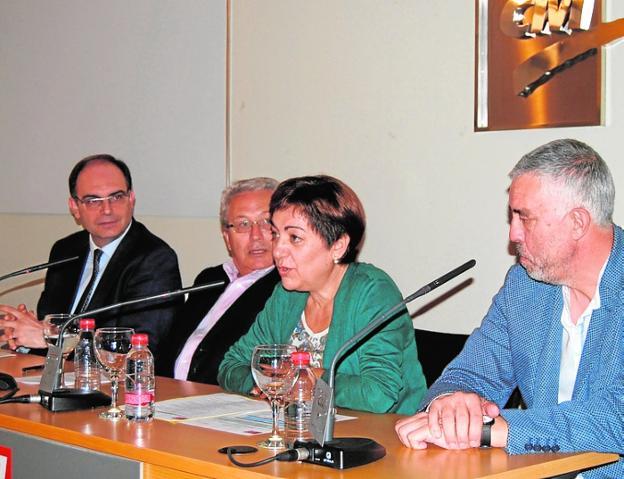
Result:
x=382 y=375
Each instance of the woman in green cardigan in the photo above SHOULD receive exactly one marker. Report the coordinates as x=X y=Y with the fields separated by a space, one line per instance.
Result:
x=325 y=298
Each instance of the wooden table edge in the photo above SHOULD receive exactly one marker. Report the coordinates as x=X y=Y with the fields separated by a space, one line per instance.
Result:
x=149 y=457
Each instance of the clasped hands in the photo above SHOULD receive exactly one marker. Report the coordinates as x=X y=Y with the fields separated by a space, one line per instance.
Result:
x=452 y=421
x=21 y=327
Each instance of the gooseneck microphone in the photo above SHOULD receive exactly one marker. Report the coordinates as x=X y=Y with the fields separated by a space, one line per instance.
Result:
x=38 y=267
x=56 y=399
x=348 y=452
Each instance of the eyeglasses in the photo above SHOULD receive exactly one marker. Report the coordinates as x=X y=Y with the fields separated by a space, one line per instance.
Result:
x=95 y=202
x=244 y=225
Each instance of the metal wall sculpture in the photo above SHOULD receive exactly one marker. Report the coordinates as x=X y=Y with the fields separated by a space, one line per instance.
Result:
x=539 y=63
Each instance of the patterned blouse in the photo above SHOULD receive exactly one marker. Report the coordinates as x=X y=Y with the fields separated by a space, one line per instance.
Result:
x=304 y=339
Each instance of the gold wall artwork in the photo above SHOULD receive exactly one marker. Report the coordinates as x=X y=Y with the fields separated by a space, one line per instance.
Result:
x=538 y=63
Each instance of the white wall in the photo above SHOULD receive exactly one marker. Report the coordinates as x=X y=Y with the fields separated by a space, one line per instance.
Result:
x=379 y=94
x=142 y=80
x=26 y=240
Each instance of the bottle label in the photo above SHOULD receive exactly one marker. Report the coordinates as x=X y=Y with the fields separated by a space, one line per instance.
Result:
x=139 y=399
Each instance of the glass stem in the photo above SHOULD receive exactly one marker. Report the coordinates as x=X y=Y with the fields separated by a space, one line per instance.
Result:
x=114 y=389
x=275 y=408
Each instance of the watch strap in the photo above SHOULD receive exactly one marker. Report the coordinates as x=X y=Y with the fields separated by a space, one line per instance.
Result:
x=486 y=431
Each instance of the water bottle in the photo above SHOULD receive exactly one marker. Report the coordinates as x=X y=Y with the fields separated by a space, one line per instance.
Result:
x=139 y=393
x=86 y=366
x=298 y=408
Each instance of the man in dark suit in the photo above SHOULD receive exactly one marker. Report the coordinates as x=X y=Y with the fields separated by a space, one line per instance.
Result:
x=213 y=320
x=118 y=260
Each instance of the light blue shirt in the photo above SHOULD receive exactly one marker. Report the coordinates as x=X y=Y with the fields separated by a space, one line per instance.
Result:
x=107 y=253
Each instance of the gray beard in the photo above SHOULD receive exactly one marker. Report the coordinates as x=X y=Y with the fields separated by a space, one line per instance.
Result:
x=538 y=273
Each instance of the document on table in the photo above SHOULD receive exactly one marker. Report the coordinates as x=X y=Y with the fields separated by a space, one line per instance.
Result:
x=223 y=412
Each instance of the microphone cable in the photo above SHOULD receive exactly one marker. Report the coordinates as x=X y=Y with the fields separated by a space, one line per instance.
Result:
x=25 y=399
x=291 y=455
x=9 y=394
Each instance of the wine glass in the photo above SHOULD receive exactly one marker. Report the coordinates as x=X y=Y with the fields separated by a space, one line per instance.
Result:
x=275 y=375
x=52 y=324
x=111 y=347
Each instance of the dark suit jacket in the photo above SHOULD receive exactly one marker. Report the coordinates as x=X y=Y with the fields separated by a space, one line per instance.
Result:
x=142 y=265
x=232 y=325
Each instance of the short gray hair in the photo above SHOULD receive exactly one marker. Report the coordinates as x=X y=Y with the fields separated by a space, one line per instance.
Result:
x=243 y=186
x=580 y=168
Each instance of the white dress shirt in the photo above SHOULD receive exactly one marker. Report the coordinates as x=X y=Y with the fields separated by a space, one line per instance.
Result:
x=573 y=340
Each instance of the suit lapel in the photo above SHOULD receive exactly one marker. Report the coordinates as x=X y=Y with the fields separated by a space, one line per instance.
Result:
x=202 y=302
x=602 y=343
x=594 y=342
x=249 y=299
x=233 y=324
x=547 y=380
x=73 y=274
x=120 y=260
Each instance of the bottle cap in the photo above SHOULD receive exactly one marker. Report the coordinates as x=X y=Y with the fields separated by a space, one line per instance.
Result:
x=300 y=358
x=87 y=323
x=139 y=339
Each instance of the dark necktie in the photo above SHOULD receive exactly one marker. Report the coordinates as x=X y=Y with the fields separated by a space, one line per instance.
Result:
x=88 y=292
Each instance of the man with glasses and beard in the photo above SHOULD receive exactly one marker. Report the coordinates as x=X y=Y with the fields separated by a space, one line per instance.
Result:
x=555 y=330
x=119 y=260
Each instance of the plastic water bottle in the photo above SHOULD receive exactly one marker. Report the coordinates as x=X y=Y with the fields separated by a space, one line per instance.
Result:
x=86 y=366
x=298 y=408
x=139 y=394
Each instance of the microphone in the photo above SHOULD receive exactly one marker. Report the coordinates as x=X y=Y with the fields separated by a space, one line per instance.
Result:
x=38 y=267
x=56 y=399
x=348 y=452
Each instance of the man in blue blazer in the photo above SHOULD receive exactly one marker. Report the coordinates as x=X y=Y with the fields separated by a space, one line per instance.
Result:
x=131 y=261
x=555 y=329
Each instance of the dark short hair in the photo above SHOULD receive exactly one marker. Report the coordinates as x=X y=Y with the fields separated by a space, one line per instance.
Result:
x=330 y=206
x=76 y=170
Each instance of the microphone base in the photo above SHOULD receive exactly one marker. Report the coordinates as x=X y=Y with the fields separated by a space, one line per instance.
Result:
x=73 y=399
x=344 y=452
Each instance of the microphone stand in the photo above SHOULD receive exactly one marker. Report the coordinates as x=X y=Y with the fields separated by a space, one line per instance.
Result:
x=37 y=267
x=56 y=399
x=353 y=451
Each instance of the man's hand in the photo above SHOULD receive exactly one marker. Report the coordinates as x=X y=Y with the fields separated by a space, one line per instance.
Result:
x=414 y=432
x=453 y=421
x=21 y=327
x=459 y=418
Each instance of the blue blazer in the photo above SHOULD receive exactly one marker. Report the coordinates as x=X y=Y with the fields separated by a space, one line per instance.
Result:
x=519 y=344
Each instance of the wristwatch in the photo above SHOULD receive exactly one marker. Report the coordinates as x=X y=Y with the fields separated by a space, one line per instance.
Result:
x=486 y=431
